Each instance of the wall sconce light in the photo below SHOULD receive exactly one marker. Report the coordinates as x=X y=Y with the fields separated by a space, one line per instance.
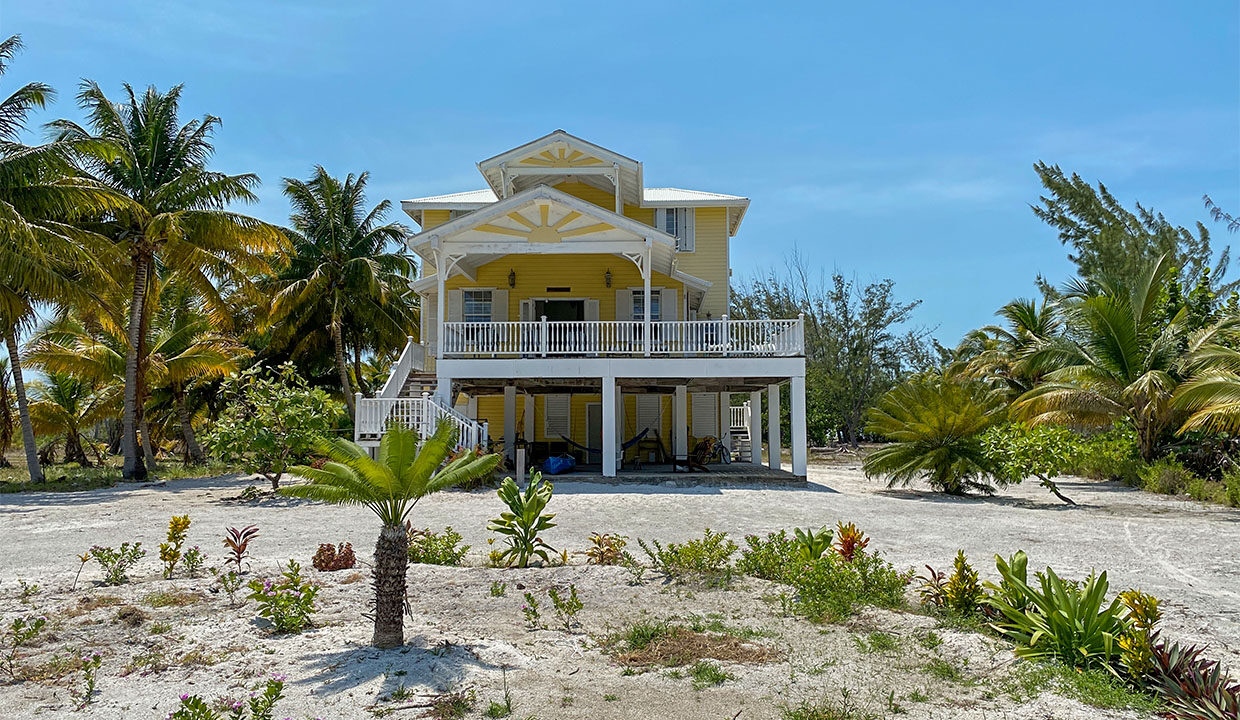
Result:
x=512 y=278
x=607 y=277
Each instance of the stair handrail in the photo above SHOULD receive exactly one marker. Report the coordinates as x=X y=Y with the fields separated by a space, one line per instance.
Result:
x=402 y=367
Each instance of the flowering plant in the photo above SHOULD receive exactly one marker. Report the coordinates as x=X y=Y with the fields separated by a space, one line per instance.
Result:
x=259 y=706
x=289 y=603
x=90 y=674
x=116 y=563
x=170 y=552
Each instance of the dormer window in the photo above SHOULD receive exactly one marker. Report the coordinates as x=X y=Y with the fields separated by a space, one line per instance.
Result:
x=671 y=222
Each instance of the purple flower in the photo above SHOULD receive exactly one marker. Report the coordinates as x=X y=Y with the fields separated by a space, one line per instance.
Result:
x=279 y=677
x=184 y=697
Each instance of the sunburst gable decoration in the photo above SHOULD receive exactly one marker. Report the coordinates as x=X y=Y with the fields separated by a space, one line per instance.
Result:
x=561 y=156
x=545 y=230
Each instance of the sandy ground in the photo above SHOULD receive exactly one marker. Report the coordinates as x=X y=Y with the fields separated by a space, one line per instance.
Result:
x=462 y=637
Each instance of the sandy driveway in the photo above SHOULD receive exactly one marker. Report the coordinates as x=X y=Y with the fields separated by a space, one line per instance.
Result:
x=1183 y=552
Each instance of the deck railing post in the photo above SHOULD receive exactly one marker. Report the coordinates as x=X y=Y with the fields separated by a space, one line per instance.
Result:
x=357 y=416
x=544 y=329
x=801 y=334
x=727 y=338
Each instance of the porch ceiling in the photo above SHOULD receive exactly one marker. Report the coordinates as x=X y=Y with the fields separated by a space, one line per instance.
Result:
x=656 y=386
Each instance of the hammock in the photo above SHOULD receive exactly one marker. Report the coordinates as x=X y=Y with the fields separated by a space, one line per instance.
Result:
x=632 y=441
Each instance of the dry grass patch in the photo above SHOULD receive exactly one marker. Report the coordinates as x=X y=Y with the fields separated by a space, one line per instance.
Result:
x=663 y=644
x=90 y=603
x=173 y=598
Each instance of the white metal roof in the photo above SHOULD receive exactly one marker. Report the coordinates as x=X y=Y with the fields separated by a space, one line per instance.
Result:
x=680 y=196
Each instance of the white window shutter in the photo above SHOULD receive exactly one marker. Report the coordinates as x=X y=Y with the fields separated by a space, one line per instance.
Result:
x=429 y=329
x=624 y=304
x=499 y=306
x=556 y=421
x=705 y=415
x=527 y=311
x=591 y=309
x=455 y=309
x=688 y=235
x=669 y=306
x=660 y=219
x=649 y=414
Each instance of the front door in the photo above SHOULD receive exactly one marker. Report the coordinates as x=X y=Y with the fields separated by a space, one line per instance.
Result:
x=560 y=309
x=594 y=433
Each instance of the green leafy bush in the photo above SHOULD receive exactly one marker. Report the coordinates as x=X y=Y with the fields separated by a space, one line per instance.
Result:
x=1063 y=621
x=606 y=549
x=1110 y=455
x=271 y=422
x=962 y=593
x=1166 y=476
x=833 y=588
x=811 y=544
x=707 y=558
x=524 y=521
x=436 y=548
x=117 y=563
x=1016 y=451
x=258 y=706
x=769 y=558
x=288 y=603
x=1232 y=482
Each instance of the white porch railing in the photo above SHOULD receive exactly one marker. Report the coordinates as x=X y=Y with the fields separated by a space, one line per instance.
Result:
x=412 y=358
x=739 y=416
x=375 y=415
x=722 y=337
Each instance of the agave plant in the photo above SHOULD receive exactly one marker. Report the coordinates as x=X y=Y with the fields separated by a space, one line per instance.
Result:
x=1192 y=687
x=524 y=520
x=935 y=426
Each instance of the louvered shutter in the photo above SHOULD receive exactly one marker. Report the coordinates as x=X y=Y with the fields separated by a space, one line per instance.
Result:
x=649 y=414
x=499 y=306
x=556 y=416
x=591 y=309
x=705 y=415
x=624 y=304
x=669 y=305
x=455 y=309
x=688 y=231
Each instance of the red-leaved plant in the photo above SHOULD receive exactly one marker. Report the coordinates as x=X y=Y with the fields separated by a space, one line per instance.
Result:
x=329 y=558
x=238 y=542
x=849 y=541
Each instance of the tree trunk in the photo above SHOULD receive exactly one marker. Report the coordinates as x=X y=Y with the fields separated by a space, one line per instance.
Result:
x=23 y=409
x=1050 y=485
x=341 y=366
x=133 y=468
x=148 y=452
x=391 y=560
x=357 y=368
x=193 y=451
x=73 y=449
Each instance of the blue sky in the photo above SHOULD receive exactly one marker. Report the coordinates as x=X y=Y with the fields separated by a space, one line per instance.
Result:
x=882 y=139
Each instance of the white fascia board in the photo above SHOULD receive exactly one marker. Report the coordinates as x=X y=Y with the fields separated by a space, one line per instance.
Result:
x=643 y=367
x=602 y=153
x=692 y=281
x=503 y=207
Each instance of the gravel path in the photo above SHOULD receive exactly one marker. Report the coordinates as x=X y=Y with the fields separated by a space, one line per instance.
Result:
x=1185 y=553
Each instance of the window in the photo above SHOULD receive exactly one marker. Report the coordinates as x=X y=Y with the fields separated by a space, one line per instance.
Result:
x=671 y=224
x=476 y=305
x=679 y=223
x=556 y=416
x=639 y=305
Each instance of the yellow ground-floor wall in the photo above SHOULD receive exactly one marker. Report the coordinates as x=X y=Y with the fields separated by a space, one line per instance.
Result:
x=491 y=410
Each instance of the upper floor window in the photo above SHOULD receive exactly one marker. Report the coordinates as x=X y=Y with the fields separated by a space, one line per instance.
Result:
x=639 y=306
x=679 y=223
x=476 y=305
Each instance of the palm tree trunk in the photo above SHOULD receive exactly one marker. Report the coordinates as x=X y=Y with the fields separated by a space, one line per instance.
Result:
x=357 y=368
x=193 y=451
x=73 y=449
x=148 y=452
x=391 y=560
x=23 y=409
x=341 y=365
x=133 y=468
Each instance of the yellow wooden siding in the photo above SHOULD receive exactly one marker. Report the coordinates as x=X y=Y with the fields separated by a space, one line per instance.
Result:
x=709 y=260
x=584 y=275
x=491 y=410
x=431 y=218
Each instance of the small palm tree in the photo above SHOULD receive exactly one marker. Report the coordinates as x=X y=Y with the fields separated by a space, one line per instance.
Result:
x=407 y=471
x=64 y=408
x=995 y=353
x=935 y=426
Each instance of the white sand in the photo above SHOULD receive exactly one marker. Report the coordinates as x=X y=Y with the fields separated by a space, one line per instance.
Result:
x=1186 y=553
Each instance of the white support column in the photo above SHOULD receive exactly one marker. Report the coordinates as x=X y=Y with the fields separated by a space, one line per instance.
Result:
x=680 y=422
x=755 y=427
x=510 y=421
x=615 y=169
x=529 y=418
x=619 y=427
x=725 y=420
x=646 y=306
x=440 y=303
x=443 y=390
x=772 y=427
x=800 y=442
x=609 y=426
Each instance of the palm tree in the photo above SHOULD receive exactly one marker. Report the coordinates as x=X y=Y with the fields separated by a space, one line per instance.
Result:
x=934 y=425
x=994 y=353
x=43 y=256
x=1119 y=360
x=341 y=271
x=178 y=219
x=407 y=471
x=67 y=406
x=1211 y=395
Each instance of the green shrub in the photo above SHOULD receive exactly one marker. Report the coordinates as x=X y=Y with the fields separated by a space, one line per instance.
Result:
x=435 y=548
x=705 y=559
x=769 y=558
x=1231 y=483
x=524 y=521
x=1060 y=620
x=1107 y=455
x=833 y=589
x=811 y=544
x=962 y=593
x=288 y=603
x=116 y=563
x=1166 y=476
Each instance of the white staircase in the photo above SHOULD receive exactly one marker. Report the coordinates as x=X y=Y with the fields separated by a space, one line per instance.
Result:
x=738 y=427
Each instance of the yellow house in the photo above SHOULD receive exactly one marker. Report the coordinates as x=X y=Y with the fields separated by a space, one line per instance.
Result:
x=569 y=309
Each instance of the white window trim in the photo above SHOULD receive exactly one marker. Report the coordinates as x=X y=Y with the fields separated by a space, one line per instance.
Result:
x=640 y=292
x=490 y=302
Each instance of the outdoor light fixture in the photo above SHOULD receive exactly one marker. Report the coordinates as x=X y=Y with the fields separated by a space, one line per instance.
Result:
x=607 y=277
x=512 y=278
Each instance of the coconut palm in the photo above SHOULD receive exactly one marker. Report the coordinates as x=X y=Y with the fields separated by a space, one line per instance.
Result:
x=934 y=426
x=178 y=221
x=1211 y=395
x=1119 y=360
x=64 y=408
x=407 y=471
x=341 y=272
x=995 y=352
x=43 y=256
